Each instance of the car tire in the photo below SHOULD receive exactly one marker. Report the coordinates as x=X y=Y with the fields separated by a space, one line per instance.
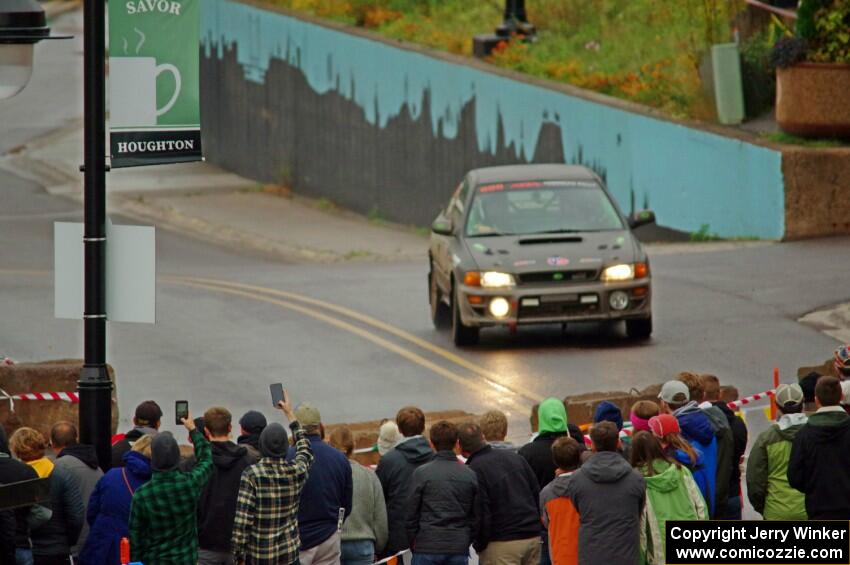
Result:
x=639 y=329
x=462 y=335
x=441 y=314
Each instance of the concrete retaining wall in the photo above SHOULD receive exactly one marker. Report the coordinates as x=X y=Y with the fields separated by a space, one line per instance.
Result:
x=377 y=126
x=817 y=192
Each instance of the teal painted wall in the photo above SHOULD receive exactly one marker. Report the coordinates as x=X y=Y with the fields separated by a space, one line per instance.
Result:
x=689 y=177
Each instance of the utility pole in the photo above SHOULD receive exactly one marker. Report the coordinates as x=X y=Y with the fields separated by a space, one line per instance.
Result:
x=95 y=388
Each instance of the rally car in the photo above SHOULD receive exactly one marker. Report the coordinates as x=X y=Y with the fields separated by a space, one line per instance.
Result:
x=536 y=244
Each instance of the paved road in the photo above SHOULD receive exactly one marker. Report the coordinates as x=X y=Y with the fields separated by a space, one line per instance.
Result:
x=355 y=338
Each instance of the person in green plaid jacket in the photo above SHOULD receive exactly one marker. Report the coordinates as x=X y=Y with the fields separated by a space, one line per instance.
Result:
x=265 y=531
x=163 y=514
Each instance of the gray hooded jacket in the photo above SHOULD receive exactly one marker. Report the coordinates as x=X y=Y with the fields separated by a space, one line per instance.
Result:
x=609 y=496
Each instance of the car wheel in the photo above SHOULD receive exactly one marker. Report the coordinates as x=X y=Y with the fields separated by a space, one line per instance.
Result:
x=461 y=334
x=639 y=329
x=440 y=313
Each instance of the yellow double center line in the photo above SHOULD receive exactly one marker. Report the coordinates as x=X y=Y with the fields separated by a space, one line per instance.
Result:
x=487 y=383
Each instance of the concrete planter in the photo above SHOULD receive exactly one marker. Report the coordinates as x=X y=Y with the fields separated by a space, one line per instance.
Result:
x=813 y=100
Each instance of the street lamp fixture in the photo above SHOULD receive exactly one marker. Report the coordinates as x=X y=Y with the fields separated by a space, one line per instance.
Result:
x=22 y=25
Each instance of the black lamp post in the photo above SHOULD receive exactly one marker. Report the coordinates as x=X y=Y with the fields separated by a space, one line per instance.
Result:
x=22 y=25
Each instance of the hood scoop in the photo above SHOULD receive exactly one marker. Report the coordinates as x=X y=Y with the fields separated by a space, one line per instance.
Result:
x=551 y=239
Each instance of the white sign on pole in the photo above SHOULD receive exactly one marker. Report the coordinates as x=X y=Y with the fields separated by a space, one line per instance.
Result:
x=130 y=272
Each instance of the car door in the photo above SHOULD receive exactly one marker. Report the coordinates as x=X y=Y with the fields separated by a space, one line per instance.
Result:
x=445 y=243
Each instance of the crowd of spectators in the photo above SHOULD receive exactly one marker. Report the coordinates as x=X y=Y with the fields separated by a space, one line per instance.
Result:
x=296 y=495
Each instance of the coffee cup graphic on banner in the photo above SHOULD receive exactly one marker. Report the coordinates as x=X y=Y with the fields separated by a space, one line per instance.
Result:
x=134 y=81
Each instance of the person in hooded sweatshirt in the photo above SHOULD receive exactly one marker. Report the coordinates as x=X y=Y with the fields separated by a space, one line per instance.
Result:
x=820 y=456
x=557 y=511
x=551 y=425
x=727 y=465
x=108 y=513
x=52 y=541
x=163 y=515
x=767 y=466
x=217 y=505
x=697 y=430
x=671 y=494
x=665 y=428
x=15 y=524
x=146 y=421
x=395 y=471
x=81 y=463
x=609 y=496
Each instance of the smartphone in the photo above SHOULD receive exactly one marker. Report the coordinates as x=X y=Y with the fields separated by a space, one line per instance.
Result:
x=277 y=393
x=181 y=409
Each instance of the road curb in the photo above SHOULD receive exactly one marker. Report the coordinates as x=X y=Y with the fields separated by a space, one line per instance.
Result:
x=833 y=321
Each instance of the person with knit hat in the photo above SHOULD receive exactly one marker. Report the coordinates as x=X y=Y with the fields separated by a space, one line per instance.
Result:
x=252 y=424
x=665 y=427
x=767 y=466
x=388 y=437
x=671 y=494
x=698 y=431
x=265 y=531
x=607 y=411
x=163 y=514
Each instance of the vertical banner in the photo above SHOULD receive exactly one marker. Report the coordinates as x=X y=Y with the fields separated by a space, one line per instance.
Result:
x=154 y=72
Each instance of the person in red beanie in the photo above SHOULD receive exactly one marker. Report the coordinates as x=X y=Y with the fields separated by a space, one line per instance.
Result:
x=666 y=428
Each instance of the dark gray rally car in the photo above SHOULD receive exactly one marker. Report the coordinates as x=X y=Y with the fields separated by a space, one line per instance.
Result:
x=536 y=244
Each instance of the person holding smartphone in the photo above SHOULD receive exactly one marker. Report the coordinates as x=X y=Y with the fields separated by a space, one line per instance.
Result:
x=265 y=531
x=163 y=522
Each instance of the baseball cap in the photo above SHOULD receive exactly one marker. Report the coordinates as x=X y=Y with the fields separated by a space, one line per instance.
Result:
x=148 y=413
x=674 y=392
x=789 y=394
x=308 y=415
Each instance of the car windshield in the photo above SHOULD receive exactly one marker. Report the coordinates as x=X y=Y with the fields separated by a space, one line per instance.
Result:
x=541 y=207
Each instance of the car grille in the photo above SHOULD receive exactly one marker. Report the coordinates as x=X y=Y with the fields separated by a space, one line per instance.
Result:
x=558 y=277
x=556 y=310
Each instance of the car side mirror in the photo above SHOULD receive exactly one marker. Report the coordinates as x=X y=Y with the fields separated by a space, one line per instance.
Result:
x=442 y=226
x=641 y=218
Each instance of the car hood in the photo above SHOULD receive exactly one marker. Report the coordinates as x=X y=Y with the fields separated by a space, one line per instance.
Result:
x=525 y=254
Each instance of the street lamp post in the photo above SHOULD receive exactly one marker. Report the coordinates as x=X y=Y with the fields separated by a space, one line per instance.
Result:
x=95 y=388
x=23 y=24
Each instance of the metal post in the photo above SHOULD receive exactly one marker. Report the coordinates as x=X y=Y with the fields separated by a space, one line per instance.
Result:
x=95 y=388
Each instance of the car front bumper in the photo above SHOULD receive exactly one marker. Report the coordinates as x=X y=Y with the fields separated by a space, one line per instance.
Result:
x=556 y=303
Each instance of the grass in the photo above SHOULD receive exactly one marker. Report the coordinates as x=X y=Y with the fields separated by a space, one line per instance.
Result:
x=704 y=234
x=787 y=138
x=647 y=51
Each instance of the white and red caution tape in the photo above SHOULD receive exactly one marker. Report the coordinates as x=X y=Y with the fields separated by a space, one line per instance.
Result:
x=398 y=558
x=66 y=396
x=747 y=400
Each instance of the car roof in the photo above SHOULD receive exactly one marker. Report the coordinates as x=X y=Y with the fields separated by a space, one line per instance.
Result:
x=519 y=173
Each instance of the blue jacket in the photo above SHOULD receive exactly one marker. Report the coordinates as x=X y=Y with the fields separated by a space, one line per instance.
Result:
x=328 y=489
x=698 y=431
x=109 y=510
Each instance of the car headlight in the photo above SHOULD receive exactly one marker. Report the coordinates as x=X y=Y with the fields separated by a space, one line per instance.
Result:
x=624 y=272
x=494 y=279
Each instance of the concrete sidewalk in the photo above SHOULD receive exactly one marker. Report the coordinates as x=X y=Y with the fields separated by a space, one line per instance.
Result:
x=203 y=200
